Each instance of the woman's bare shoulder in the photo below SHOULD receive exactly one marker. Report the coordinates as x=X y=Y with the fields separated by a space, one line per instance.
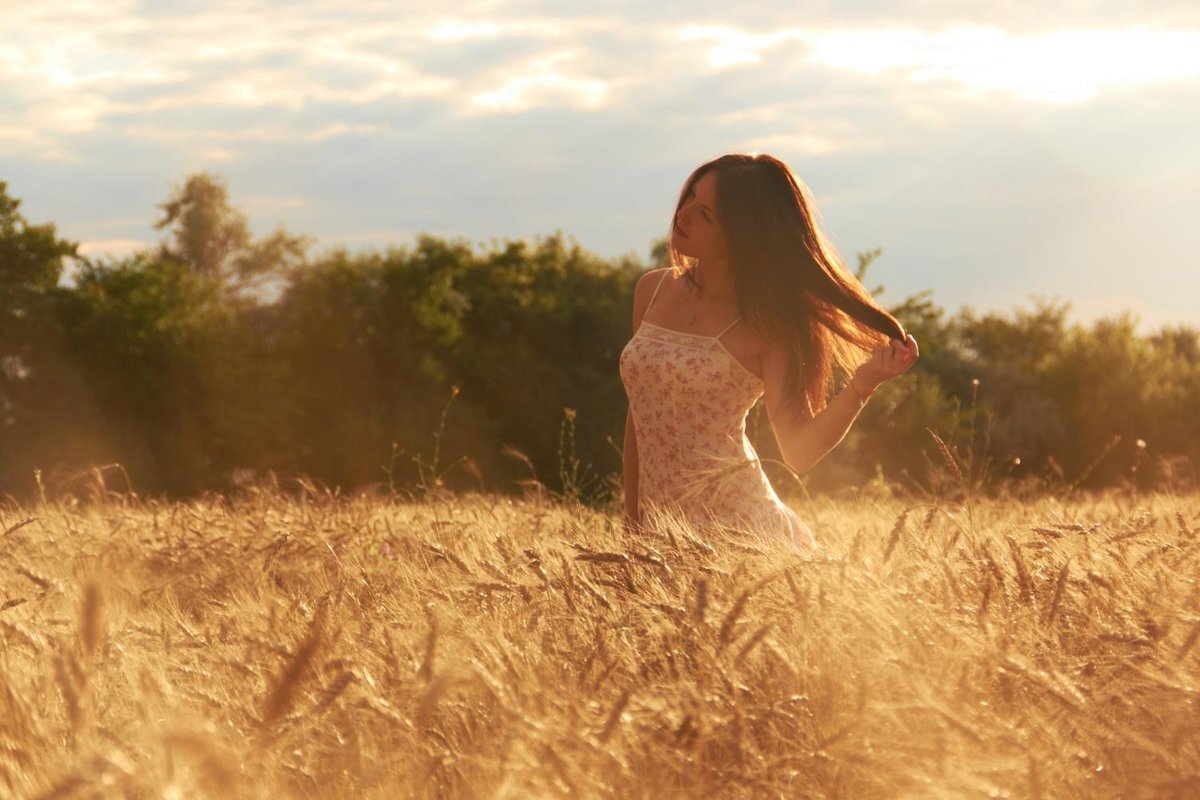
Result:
x=643 y=290
x=653 y=276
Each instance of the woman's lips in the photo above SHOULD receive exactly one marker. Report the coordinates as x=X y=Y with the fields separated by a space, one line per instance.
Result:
x=680 y=231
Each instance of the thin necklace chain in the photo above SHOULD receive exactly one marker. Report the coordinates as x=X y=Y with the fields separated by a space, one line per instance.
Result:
x=688 y=290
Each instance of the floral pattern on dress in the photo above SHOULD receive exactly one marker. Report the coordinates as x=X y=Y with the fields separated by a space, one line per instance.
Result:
x=689 y=399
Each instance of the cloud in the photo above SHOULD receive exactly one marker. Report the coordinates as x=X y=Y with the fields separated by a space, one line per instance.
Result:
x=69 y=68
x=543 y=81
x=729 y=46
x=965 y=141
x=1061 y=66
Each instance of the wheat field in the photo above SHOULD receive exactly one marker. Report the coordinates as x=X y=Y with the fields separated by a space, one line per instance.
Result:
x=279 y=646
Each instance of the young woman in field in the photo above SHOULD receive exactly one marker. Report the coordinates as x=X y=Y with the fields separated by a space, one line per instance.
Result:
x=755 y=304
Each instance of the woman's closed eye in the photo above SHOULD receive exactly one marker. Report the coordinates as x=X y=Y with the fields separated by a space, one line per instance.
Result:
x=704 y=213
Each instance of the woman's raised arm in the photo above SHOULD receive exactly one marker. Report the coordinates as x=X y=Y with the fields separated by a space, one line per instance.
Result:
x=804 y=440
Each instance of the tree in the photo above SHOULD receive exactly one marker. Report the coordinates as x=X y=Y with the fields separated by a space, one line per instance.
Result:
x=31 y=263
x=213 y=238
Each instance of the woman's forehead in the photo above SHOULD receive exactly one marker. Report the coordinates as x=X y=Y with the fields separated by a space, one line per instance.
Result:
x=705 y=187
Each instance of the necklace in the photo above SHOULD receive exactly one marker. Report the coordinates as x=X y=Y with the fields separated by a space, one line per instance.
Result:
x=688 y=291
x=690 y=288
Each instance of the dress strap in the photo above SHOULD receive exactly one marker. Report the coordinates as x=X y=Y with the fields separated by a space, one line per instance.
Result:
x=656 y=288
x=730 y=325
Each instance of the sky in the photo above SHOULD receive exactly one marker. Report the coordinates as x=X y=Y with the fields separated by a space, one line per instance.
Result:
x=996 y=153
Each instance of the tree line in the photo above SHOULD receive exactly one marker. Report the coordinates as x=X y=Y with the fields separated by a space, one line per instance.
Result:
x=218 y=360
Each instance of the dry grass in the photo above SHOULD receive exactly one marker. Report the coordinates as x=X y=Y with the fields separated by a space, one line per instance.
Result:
x=474 y=647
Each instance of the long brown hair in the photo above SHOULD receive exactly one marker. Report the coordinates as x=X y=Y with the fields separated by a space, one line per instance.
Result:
x=792 y=288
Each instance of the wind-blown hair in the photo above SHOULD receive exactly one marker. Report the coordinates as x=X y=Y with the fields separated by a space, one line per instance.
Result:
x=792 y=288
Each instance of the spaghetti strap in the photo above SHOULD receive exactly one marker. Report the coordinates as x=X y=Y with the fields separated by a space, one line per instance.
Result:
x=730 y=325
x=656 y=288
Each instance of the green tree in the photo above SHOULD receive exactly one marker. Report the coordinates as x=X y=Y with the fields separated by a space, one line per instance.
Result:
x=147 y=334
x=543 y=332
x=31 y=264
x=213 y=238
x=32 y=260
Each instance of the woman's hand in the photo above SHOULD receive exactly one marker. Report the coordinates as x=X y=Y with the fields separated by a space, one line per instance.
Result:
x=886 y=362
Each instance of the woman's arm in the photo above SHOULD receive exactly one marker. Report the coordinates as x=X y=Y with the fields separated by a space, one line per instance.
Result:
x=804 y=441
x=629 y=465
x=629 y=453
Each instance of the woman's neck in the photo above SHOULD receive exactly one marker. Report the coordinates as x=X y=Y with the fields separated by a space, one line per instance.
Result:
x=715 y=283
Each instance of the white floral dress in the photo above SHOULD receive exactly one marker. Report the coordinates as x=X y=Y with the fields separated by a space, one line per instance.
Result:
x=689 y=398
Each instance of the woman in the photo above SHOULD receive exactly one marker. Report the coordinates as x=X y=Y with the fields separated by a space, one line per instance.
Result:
x=755 y=304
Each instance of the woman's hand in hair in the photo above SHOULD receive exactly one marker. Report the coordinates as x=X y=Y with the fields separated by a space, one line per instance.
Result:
x=886 y=362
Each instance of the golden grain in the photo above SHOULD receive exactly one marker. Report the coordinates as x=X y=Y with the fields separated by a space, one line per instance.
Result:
x=281 y=697
x=672 y=664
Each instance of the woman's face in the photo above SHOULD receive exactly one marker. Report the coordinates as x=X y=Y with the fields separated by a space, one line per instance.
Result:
x=696 y=232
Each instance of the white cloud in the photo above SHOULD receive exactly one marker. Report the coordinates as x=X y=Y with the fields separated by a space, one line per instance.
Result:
x=1060 y=66
x=459 y=30
x=73 y=65
x=542 y=82
x=452 y=30
x=358 y=118
x=732 y=46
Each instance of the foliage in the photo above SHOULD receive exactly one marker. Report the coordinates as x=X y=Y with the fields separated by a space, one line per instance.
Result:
x=32 y=261
x=218 y=358
x=214 y=240
x=151 y=339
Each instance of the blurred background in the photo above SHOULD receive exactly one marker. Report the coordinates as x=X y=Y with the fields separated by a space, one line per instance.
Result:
x=381 y=246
